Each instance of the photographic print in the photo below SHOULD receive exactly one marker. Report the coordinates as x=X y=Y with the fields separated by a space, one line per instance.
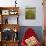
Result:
x=30 y=13
x=5 y=12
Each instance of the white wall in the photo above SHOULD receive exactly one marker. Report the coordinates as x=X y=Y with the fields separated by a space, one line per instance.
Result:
x=23 y=4
x=7 y=3
x=39 y=12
